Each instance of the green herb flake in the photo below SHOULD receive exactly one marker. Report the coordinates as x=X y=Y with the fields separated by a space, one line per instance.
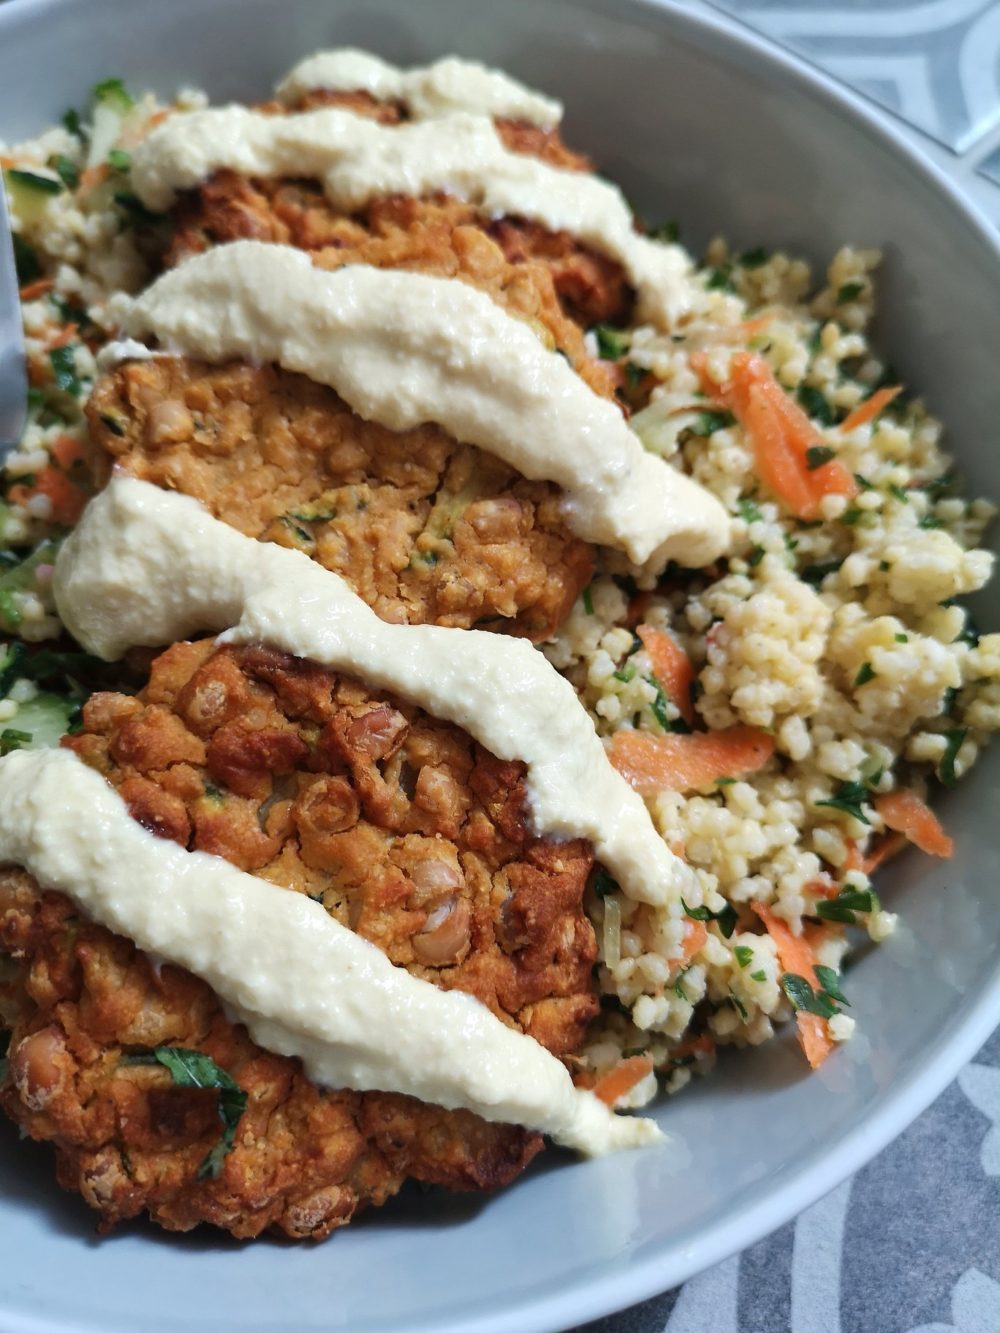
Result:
x=10 y=739
x=71 y=123
x=724 y=782
x=739 y=1006
x=816 y=404
x=755 y=258
x=846 y=904
x=114 y=92
x=678 y=987
x=32 y=181
x=865 y=674
x=815 y=574
x=720 y=279
x=898 y=493
x=604 y=883
x=588 y=600
x=851 y=516
x=726 y=918
x=902 y=638
x=930 y=521
x=136 y=212
x=850 y=291
x=659 y=707
x=119 y=160
x=63 y=362
x=818 y=455
x=624 y=674
x=849 y=797
x=743 y=954
x=194 y=1069
x=67 y=170
x=749 y=512
x=946 y=768
x=863 y=482
x=668 y=232
x=757 y=554
x=709 y=422
x=829 y=982
x=805 y=999
x=612 y=343
x=26 y=261
x=759 y=975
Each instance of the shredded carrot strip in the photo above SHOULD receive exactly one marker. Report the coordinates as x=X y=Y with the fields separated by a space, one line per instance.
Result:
x=33 y=290
x=94 y=176
x=909 y=814
x=673 y=762
x=622 y=1079
x=671 y=667
x=870 y=408
x=780 y=432
x=883 y=851
x=751 y=327
x=694 y=940
x=797 y=954
x=703 y=1045
x=67 y=450
x=65 y=335
x=66 y=497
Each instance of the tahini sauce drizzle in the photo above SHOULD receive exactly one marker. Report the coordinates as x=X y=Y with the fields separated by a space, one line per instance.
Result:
x=357 y=160
x=303 y=984
x=146 y=567
x=446 y=86
x=405 y=349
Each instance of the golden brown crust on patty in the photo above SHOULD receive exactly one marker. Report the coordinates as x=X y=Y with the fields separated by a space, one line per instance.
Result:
x=424 y=529
x=571 y=285
x=404 y=828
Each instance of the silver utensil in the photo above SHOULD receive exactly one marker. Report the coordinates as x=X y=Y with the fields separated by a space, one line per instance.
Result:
x=13 y=370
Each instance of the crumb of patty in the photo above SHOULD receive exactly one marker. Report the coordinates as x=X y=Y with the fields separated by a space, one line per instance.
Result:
x=404 y=828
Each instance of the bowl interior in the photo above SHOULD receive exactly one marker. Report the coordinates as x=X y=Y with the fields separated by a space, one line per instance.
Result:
x=707 y=128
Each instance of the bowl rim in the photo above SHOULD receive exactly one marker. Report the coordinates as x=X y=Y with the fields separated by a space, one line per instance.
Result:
x=957 y=1043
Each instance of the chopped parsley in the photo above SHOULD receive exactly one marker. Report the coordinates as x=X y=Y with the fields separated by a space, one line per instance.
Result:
x=846 y=904
x=754 y=258
x=816 y=404
x=71 y=123
x=10 y=739
x=725 y=918
x=709 y=422
x=757 y=554
x=720 y=279
x=759 y=975
x=659 y=707
x=612 y=343
x=815 y=574
x=865 y=674
x=946 y=768
x=114 y=92
x=26 y=260
x=624 y=674
x=678 y=987
x=749 y=512
x=32 y=181
x=817 y=455
x=739 y=1006
x=63 y=362
x=119 y=160
x=898 y=493
x=666 y=231
x=807 y=999
x=902 y=638
x=930 y=521
x=724 y=782
x=588 y=600
x=851 y=516
x=67 y=171
x=194 y=1069
x=744 y=955
x=850 y=291
x=849 y=797
x=604 y=883
x=829 y=981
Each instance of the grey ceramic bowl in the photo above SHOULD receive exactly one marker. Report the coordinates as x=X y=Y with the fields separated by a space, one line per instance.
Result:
x=706 y=125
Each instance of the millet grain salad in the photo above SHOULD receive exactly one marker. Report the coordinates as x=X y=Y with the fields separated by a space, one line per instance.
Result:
x=808 y=694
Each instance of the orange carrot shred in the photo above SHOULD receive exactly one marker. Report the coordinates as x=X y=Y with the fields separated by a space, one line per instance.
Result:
x=751 y=327
x=909 y=814
x=622 y=1079
x=33 y=290
x=797 y=954
x=870 y=408
x=674 y=762
x=693 y=940
x=883 y=851
x=671 y=667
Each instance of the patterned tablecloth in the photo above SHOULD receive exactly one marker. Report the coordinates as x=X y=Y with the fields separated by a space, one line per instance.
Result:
x=912 y=1243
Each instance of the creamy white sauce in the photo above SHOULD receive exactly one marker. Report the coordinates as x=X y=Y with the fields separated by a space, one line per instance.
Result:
x=448 y=85
x=405 y=349
x=303 y=984
x=357 y=160
x=146 y=567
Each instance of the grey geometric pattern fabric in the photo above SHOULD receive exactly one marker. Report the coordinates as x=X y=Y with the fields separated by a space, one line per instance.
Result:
x=935 y=63
x=910 y=1245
